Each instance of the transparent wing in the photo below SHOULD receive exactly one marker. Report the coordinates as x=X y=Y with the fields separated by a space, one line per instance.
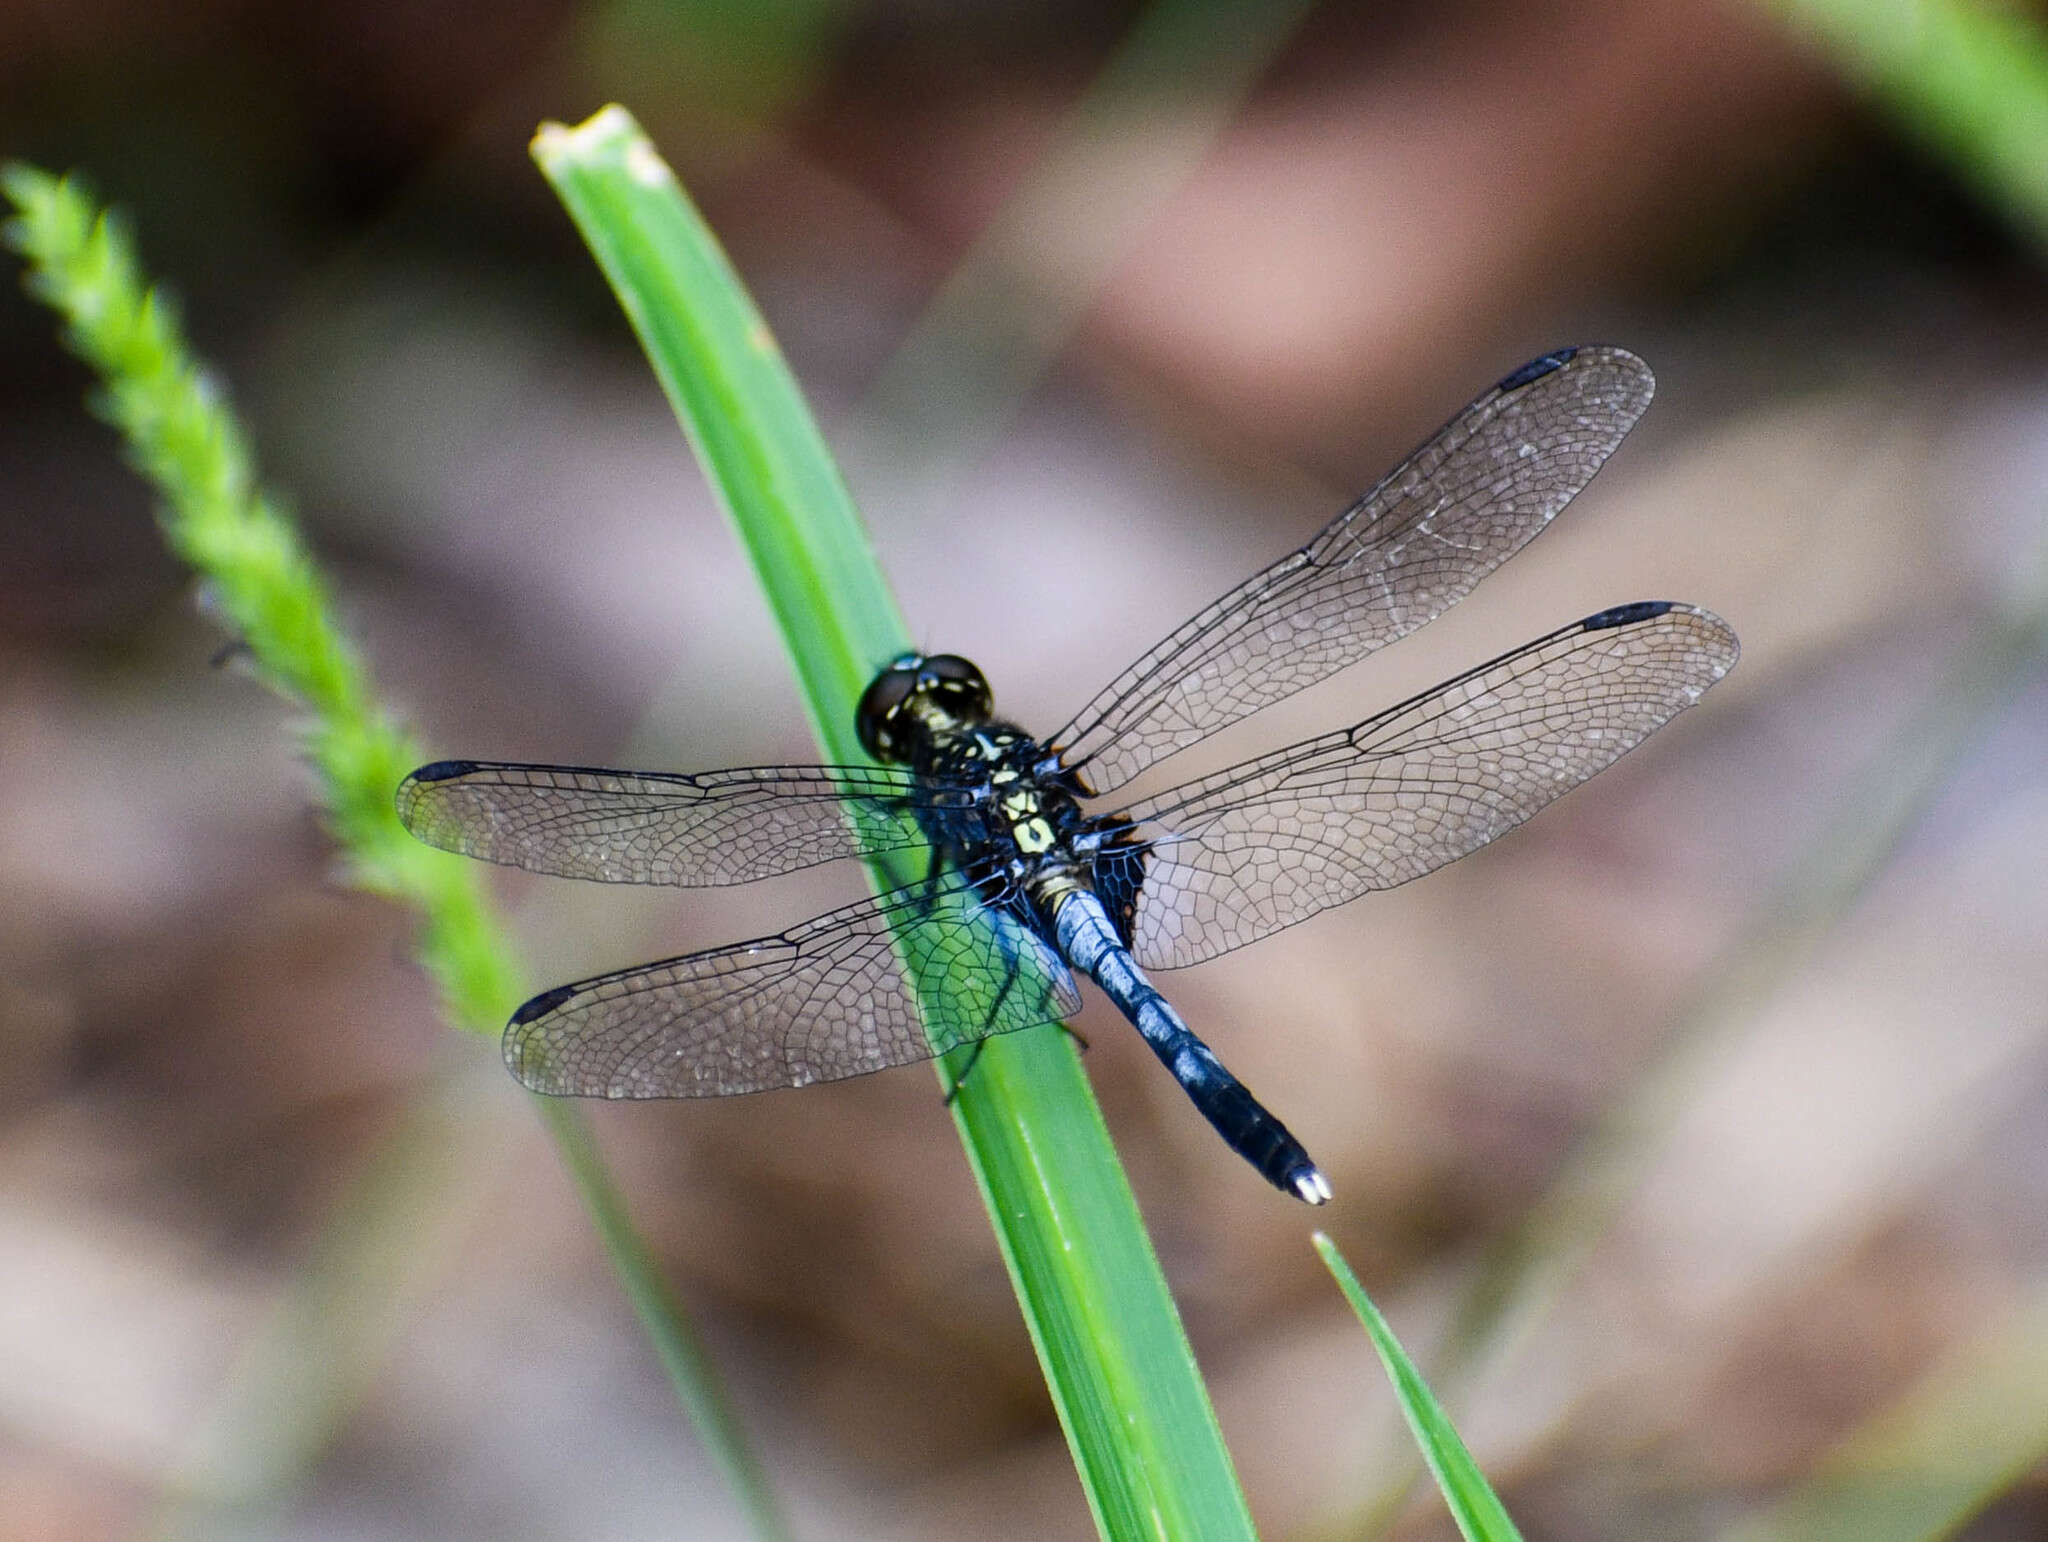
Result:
x=825 y=1000
x=1438 y=523
x=721 y=827
x=1273 y=841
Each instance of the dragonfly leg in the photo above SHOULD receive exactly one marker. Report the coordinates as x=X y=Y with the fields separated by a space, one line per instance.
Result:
x=973 y=1058
x=1012 y=971
x=930 y=883
x=953 y=1089
x=1010 y=930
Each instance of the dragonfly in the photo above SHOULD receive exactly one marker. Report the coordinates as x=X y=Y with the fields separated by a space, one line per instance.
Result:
x=1026 y=881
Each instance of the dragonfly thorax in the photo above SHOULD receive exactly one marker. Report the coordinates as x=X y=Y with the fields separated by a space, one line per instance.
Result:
x=1018 y=819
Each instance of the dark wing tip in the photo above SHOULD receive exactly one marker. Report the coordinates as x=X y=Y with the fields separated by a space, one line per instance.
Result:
x=416 y=806
x=443 y=771
x=1590 y=356
x=528 y=1056
x=1536 y=369
x=541 y=1005
x=1626 y=615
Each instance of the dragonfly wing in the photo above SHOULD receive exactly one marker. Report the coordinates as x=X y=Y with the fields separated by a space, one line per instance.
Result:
x=1442 y=520
x=1273 y=841
x=720 y=827
x=829 y=999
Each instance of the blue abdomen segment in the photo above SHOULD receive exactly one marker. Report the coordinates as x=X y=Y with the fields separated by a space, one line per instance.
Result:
x=1089 y=942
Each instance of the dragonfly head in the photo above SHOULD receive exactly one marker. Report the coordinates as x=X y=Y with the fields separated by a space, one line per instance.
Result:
x=916 y=697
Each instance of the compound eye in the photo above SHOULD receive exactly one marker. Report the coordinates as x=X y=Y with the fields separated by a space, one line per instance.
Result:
x=875 y=719
x=961 y=686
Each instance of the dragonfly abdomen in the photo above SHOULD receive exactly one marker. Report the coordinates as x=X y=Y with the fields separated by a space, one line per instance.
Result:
x=1087 y=939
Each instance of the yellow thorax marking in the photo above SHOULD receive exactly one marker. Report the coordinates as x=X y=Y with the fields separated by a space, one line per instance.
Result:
x=1032 y=836
x=1028 y=828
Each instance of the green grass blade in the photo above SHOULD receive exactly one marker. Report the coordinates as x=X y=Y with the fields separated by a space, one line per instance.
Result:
x=1476 y=1508
x=187 y=444
x=739 y=406
x=1123 y=1380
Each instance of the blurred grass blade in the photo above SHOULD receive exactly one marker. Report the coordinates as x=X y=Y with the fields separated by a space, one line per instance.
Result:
x=263 y=584
x=1531 y=1265
x=1925 y=1465
x=1130 y=143
x=1527 y=1269
x=1137 y=1418
x=724 y=71
x=1477 y=1510
x=383 y=1245
x=682 y=1354
x=1966 y=78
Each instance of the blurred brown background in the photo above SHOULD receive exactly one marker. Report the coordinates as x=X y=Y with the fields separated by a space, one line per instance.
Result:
x=1103 y=308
